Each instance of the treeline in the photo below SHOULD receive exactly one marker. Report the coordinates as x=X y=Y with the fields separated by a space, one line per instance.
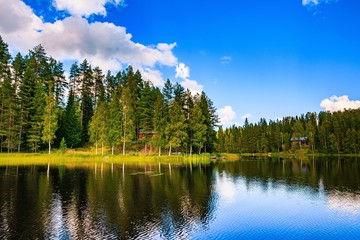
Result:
x=326 y=132
x=119 y=112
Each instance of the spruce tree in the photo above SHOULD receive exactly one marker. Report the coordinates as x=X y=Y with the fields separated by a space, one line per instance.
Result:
x=197 y=127
x=86 y=106
x=160 y=121
x=176 y=134
x=71 y=122
x=114 y=125
x=146 y=112
x=211 y=121
x=128 y=128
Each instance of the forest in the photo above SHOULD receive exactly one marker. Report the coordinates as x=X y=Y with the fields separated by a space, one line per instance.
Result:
x=41 y=109
x=115 y=113
x=326 y=132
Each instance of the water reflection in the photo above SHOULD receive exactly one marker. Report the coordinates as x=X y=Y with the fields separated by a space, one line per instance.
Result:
x=249 y=199
x=346 y=202
x=335 y=179
x=104 y=201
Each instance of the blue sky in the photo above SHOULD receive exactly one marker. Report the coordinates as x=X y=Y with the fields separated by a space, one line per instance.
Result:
x=256 y=58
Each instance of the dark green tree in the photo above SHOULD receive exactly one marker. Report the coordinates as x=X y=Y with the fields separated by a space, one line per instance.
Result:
x=176 y=134
x=71 y=122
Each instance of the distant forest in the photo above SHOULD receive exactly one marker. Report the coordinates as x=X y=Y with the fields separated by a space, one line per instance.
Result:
x=326 y=132
x=41 y=108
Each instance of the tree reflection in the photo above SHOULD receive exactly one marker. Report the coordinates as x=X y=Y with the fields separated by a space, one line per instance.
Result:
x=337 y=178
x=108 y=202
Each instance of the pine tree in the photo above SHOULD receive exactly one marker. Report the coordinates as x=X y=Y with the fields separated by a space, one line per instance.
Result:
x=71 y=122
x=160 y=121
x=110 y=86
x=211 y=121
x=99 y=89
x=168 y=92
x=197 y=127
x=114 y=126
x=146 y=111
x=176 y=129
x=86 y=106
x=128 y=128
x=36 y=118
x=8 y=103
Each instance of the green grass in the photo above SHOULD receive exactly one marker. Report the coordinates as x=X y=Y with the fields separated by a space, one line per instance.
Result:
x=15 y=159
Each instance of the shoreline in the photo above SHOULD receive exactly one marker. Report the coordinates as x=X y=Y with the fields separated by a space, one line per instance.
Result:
x=17 y=159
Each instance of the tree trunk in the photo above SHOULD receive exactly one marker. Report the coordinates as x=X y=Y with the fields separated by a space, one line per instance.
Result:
x=190 y=150
x=170 y=150
x=159 y=151
x=96 y=147
x=19 y=145
x=124 y=134
x=49 y=147
x=102 y=148
x=112 y=150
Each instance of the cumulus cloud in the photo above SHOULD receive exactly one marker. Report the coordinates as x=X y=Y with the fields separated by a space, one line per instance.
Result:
x=192 y=85
x=85 y=7
x=182 y=71
x=334 y=103
x=246 y=116
x=226 y=115
x=152 y=75
x=225 y=59
x=74 y=38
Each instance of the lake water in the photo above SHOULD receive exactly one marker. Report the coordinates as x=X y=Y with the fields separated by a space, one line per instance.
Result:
x=248 y=199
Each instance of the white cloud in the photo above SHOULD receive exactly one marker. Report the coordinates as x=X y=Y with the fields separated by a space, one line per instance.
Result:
x=227 y=115
x=307 y=2
x=246 y=116
x=192 y=85
x=74 y=38
x=335 y=103
x=152 y=75
x=225 y=59
x=182 y=71
x=85 y=7
x=316 y=2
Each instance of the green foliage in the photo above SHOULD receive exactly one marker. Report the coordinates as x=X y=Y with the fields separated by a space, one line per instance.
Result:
x=98 y=125
x=63 y=145
x=71 y=122
x=50 y=120
x=114 y=129
x=176 y=129
x=326 y=132
x=107 y=110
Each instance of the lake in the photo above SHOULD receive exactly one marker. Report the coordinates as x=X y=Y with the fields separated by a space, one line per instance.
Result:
x=247 y=199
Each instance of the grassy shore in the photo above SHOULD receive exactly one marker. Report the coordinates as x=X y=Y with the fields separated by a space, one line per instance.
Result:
x=86 y=157
x=12 y=159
